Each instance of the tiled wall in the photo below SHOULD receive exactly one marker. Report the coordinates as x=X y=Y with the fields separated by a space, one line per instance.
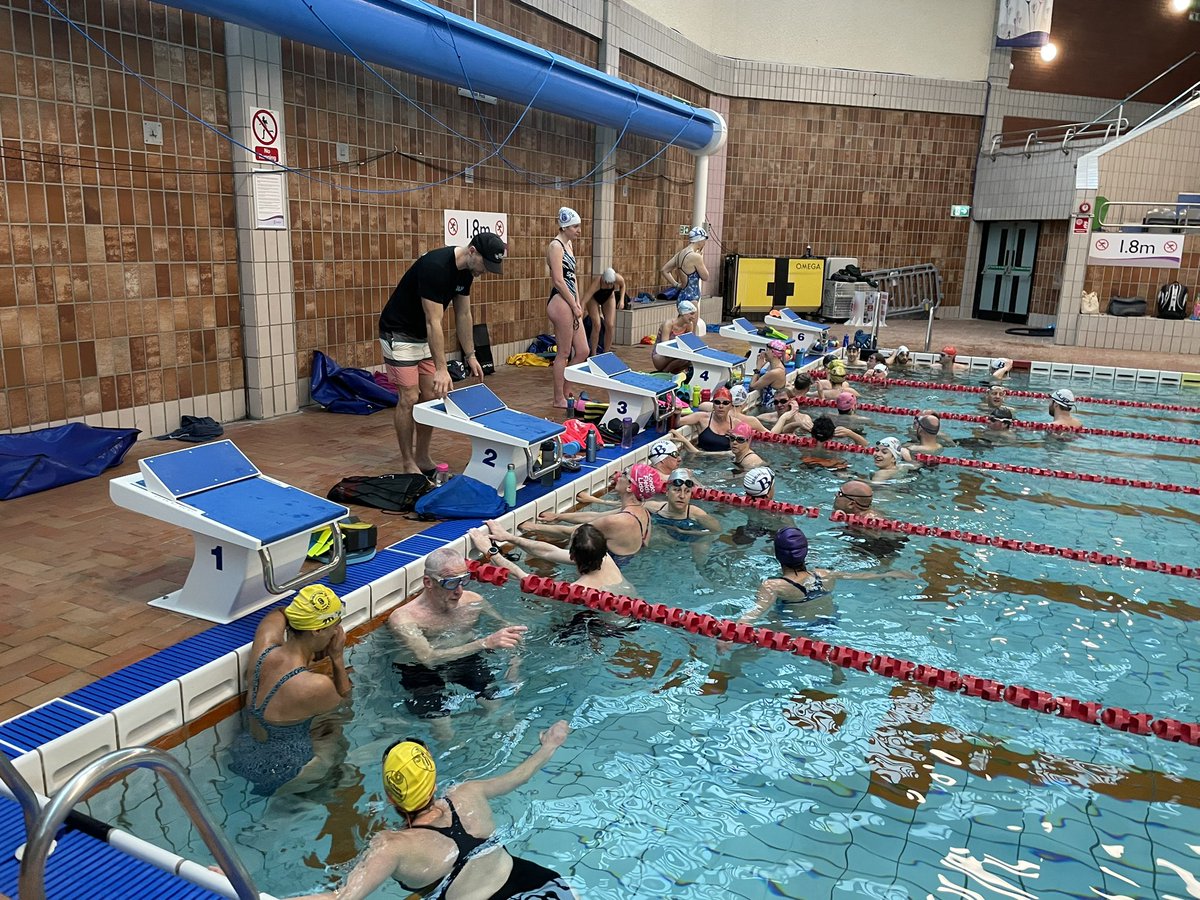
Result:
x=1155 y=166
x=1123 y=281
x=871 y=183
x=118 y=275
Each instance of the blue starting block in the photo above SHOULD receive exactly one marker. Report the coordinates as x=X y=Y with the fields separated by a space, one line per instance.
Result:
x=711 y=368
x=499 y=435
x=630 y=394
x=745 y=331
x=804 y=333
x=251 y=532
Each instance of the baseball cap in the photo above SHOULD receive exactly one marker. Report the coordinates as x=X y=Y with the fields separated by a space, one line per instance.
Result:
x=660 y=450
x=645 y=481
x=758 y=481
x=567 y=217
x=686 y=306
x=492 y=249
x=1064 y=398
x=844 y=401
x=697 y=234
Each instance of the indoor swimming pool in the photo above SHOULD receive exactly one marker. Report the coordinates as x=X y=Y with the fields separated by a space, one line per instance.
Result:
x=698 y=771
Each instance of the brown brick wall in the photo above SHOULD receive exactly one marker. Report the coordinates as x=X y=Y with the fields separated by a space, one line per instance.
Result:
x=1128 y=281
x=872 y=183
x=1048 y=268
x=118 y=280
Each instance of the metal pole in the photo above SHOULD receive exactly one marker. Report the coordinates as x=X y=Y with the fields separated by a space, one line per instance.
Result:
x=32 y=881
x=929 y=326
x=21 y=792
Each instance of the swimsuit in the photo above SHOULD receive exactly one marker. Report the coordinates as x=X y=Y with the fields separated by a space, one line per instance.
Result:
x=622 y=559
x=691 y=290
x=524 y=879
x=812 y=590
x=686 y=530
x=428 y=684
x=270 y=764
x=710 y=441
x=568 y=267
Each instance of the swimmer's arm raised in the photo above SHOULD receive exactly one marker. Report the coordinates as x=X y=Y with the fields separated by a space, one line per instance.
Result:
x=551 y=739
x=377 y=865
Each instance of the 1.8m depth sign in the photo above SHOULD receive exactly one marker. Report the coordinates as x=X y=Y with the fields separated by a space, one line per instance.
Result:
x=462 y=225
x=1159 y=251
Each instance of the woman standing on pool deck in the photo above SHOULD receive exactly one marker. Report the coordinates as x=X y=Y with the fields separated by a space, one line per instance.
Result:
x=566 y=315
x=688 y=261
x=448 y=839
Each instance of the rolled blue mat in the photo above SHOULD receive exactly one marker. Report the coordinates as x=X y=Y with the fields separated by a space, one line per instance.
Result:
x=570 y=448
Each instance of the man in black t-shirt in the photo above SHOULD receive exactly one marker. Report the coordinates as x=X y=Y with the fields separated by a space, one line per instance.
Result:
x=410 y=333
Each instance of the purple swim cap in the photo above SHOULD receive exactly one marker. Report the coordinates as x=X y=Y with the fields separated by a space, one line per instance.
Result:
x=791 y=547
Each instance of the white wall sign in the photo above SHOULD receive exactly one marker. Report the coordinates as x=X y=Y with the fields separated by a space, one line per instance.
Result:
x=266 y=134
x=1157 y=251
x=269 y=209
x=462 y=225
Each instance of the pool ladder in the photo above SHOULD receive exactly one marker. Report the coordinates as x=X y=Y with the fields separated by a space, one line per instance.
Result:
x=41 y=824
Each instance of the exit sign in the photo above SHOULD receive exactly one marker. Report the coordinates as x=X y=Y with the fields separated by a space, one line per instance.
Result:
x=959 y=212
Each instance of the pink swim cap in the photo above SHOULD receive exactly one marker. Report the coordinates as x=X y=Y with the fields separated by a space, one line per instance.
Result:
x=742 y=429
x=845 y=401
x=779 y=348
x=645 y=481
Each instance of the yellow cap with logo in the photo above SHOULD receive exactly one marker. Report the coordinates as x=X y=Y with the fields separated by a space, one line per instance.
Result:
x=314 y=607
x=409 y=775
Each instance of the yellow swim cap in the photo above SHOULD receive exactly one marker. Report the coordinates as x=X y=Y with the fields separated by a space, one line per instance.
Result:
x=409 y=775
x=837 y=367
x=314 y=607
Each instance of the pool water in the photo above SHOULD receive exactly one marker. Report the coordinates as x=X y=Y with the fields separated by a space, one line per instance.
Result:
x=695 y=772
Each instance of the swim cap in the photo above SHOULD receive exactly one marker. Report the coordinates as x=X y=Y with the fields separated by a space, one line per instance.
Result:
x=1002 y=413
x=757 y=482
x=901 y=349
x=722 y=393
x=949 y=350
x=892 y=446
x=879 y=369
x=997 y=365
x=645 y=481
x=685 y=307
x=791 y=547
x=1064 y=398
x=609 y=275
x=742 y=430
x=660 y=450
x=314 y=607
x=844 y=401
x=567 y=217
x=679 y=474
x=928 y=423
x=409 y=775
x=837 y=367
x=779 y=348
x=697 y=234
x=738 y=394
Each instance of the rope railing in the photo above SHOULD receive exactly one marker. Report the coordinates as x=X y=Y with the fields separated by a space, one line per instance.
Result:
x=1036 y=395
x=882 y=664
x=989 y=465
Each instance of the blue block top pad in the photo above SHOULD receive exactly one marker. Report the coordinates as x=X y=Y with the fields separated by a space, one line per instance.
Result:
x=199 y=468
x=265 y=510
x=645 y=382
x=520 y=425
x=476 y=400
x=609 y=364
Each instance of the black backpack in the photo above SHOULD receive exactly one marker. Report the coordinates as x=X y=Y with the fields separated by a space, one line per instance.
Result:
x=1172 y=301
x=393 y=493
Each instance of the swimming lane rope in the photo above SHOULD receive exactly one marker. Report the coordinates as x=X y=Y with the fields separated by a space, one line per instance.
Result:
x=933 y=459
x=886 y=666
x=1036 y=395
x=1036 y=426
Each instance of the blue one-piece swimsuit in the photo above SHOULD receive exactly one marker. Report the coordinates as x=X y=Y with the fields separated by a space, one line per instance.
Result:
x=272 y=763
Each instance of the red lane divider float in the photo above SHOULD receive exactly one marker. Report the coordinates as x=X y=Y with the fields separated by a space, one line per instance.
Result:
x=732 y=499
x=1036 y=395
x=1018 y=423
x=1114 y=717
x=933 y=459
x=971 y=537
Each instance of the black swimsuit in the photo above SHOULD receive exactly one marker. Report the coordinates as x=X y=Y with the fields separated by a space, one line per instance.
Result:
x=709 y=441
x=568 y=267
x=465 y=842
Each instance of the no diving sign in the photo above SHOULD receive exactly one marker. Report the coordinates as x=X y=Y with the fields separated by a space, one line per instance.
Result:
x=266 y=135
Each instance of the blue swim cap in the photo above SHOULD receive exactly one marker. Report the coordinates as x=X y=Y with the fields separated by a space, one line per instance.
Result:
x=791 y=547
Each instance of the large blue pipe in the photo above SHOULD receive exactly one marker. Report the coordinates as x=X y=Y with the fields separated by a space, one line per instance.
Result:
x=415 y=37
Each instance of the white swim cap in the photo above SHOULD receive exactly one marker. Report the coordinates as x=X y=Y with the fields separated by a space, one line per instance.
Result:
x=901 y=349
x=697 y=234
x=661 y=449
x=609 y=275
x=879 y=369
x=568 y=217
x=997 y=365
x=892 y=446
x=738 y=394
x=686 y=306
x=758 y=481
x=1064 y=398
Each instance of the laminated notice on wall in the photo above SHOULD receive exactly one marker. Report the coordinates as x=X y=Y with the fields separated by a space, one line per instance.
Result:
x=268 y=200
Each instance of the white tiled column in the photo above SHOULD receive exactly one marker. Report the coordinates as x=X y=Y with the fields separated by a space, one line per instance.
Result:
x=714 y=252
x=604 y=193
x=253 y=61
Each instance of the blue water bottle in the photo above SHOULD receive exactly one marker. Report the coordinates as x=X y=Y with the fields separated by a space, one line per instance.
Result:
x=510 y=486
x=626 y=433
x=845 y=341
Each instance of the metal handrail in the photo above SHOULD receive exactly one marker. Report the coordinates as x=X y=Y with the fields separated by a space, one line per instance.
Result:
x=32 y=881
x=268 y=567
x=1070 y=131
x=1185 y=96
x=21 y=791
x=1191 y=218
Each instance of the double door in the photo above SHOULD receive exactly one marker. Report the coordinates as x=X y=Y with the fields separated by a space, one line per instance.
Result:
x=1006 y=271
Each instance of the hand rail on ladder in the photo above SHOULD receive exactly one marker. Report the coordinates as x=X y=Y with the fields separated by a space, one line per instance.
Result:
x=21 y=791
x=32 y=881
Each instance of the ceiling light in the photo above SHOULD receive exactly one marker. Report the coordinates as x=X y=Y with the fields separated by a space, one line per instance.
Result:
x=1048 y=52
x=1180 y=6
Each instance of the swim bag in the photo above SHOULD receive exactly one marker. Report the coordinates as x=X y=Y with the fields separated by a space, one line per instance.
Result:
x=393 y=493
x=1126 y=306
x=462 y=497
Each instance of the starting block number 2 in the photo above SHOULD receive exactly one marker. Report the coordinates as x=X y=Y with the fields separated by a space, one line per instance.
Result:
x=489 y=459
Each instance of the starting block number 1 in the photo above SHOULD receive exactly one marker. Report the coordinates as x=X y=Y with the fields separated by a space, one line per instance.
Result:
x=216 y=551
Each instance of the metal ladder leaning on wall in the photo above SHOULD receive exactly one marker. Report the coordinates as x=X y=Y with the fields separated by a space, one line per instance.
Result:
x=41 y=824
